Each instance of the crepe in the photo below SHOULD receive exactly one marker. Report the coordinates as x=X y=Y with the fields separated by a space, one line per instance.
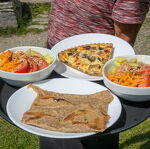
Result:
x=68 y=112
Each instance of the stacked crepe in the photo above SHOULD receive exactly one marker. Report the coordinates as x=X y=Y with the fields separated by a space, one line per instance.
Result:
x=68 y=112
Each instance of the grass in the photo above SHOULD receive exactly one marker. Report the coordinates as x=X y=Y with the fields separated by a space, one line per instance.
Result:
x=25 y=20
x=136 y=138
x=40 y=9
x=12 y=137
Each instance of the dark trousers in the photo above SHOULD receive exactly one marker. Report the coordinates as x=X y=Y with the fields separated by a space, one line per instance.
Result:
x=104 y=142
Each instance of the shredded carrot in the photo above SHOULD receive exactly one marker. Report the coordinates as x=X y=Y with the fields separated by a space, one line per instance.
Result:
x=9 y=67
x=127 y=78
x=5 y=57
x=9 y=60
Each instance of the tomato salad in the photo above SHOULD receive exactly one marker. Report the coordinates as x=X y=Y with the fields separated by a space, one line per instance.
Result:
x=130 y=72
x=24 y=62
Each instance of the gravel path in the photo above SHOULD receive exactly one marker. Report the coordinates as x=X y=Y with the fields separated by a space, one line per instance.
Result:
x=142 y=45
x=30 y=39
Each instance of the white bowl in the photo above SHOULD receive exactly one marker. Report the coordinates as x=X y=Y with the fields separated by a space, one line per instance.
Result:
x=21 y=79
x=135 y=94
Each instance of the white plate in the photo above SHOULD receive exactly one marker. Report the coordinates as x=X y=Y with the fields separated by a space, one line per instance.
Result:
x=121 y=47
x=22 y=99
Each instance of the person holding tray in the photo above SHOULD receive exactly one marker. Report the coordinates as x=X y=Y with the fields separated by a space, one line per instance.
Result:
x=122 y=18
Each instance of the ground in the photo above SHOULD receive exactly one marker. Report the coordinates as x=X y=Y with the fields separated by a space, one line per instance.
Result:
x=30 y=39
x=142 y=44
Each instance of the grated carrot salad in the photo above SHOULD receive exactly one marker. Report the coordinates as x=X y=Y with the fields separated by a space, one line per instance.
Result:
x=9 y=60
x=127 y=78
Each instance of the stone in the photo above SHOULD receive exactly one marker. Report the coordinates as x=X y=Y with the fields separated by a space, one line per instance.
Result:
x=8 y=19
x=42 y=27
x=44 y=23
x=6 y=10
x=12 y=10
x=17 y=8
x=6 y=5
x=9 y=13
x=42 y=15
x=40 y=20
x=35 y=1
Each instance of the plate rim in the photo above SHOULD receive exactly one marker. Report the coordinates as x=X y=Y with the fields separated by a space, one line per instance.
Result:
x=52 y=135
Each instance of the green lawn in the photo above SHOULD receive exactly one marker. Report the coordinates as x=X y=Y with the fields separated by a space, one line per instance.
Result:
x=137 y=137
x=12 y=137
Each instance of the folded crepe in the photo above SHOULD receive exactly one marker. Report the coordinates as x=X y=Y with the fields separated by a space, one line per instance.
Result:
x=68 y=112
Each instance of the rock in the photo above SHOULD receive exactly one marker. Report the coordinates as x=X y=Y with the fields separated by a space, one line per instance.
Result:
x=7 y=10
x=43 y=23
x=42 y=27
x=8 y=19
x=42 y=15
x=9 y=13
x=40 y=20
x=6 y=5
x=35 y=1
x=17 y=8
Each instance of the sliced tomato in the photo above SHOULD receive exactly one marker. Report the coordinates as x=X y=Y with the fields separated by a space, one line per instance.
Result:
x=146 y=69
x=22 y=67
x=44 y=65
x=40 y=62
x=146 y=83
x=32 y=65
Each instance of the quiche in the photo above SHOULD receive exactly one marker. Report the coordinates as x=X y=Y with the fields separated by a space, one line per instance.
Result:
x=89 y=58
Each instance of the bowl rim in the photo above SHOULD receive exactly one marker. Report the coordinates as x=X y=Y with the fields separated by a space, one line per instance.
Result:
x=27 y=74
x=118 y=85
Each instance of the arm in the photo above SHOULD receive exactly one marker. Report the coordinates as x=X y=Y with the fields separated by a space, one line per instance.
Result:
x=128 y=32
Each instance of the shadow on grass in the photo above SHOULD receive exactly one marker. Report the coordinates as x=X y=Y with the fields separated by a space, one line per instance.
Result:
x=143 y=139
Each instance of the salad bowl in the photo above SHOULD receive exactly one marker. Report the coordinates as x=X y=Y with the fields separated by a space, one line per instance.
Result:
x=21 y=78
x=129 y=91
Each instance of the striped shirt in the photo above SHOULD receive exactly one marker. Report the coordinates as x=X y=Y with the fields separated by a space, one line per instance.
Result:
x=72 y=17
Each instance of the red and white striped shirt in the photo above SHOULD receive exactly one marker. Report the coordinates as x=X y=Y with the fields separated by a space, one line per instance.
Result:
x=72 y=17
